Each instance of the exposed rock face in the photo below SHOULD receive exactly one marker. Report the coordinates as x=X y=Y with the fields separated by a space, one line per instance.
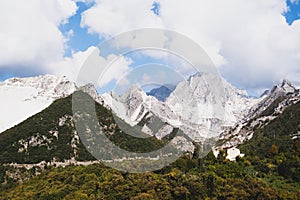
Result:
x=198 y=106
x=273 y=103
x=203 y=107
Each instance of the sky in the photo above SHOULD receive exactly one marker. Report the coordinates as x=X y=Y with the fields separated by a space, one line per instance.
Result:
x=254 y=44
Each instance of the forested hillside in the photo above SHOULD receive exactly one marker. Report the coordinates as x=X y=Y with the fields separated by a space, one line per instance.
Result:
x=269 y=170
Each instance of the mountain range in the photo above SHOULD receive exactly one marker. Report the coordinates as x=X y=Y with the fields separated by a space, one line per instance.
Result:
x=190 y=107
x=259 y=135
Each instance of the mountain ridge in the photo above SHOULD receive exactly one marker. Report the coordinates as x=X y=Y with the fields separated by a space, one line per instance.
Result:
x=179 y=107
x=263 y=148
x=24 y=97
x=276 y=101
x=135 y=105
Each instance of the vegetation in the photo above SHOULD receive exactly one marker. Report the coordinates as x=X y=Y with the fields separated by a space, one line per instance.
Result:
x=209 y=178
x=270 y=109
x=45 y=123
x=270 y=169
x=272 y=150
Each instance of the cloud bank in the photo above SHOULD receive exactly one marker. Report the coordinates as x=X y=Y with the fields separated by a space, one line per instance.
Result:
x=249 y=41
x=29 y=33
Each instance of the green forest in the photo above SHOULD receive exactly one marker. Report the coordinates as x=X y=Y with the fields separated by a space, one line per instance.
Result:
x=269 y=170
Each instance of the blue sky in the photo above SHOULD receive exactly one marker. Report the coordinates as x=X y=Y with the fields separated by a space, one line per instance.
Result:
x=116 y=14
x=294 y=11
x=81 y=39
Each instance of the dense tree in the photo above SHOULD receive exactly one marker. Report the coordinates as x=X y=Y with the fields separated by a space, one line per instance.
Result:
x=270 y=170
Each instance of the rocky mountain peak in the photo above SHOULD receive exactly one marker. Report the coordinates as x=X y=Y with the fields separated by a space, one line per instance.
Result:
x=287 y=86
x=283 y=88
x=46 y=85
x=90 y=89
x=193 y=106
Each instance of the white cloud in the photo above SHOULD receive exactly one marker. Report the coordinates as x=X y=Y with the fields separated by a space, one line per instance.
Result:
x=110 y=17
x=70 y=66
x=29 y=34
x=115 y=70
x=249 y=41
x=90 y=64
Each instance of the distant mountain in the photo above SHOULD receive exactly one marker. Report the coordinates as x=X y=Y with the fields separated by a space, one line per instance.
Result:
x=192 y=106
x=161 y=93
x=24 y=97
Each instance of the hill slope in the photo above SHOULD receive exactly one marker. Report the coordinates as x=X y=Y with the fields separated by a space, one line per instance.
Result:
x=51 y=135
x=269 y=170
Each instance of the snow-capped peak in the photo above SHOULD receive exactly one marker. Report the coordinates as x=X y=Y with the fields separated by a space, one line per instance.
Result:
x=24 y=97
x=47 y=85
